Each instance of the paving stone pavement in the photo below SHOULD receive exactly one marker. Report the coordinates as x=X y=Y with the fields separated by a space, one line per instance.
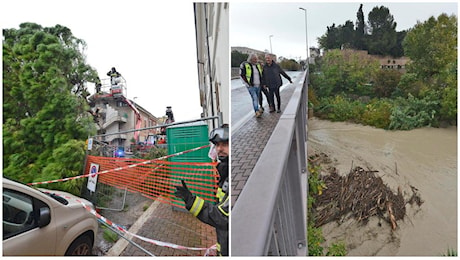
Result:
x=249 y=141
x=174 y=226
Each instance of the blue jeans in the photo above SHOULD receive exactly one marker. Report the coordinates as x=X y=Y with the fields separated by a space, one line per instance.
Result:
x=255 y=92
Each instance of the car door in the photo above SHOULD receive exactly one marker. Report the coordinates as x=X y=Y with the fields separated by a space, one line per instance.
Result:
x=21 y=232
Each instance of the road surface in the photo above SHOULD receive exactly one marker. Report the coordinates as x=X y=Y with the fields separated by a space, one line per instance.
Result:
x=242 y=104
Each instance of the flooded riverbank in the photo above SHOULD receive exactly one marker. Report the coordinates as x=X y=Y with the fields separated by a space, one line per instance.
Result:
x=423 y=158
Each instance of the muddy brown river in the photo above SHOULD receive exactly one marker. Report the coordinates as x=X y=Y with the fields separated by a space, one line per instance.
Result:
x=424 y=158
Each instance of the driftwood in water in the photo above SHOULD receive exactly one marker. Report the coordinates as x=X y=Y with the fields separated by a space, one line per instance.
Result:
x=360 y=194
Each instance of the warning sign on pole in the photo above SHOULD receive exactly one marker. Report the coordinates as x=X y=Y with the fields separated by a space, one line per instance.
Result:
x=92 y=178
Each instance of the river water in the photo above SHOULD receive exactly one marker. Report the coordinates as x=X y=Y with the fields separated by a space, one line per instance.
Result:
x=424 y=158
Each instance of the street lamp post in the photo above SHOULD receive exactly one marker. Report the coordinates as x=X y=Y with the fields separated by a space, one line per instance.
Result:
x=306 y=32
x=270 y=38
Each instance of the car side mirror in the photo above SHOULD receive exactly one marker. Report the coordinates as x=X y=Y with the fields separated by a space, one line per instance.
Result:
x=44 y=218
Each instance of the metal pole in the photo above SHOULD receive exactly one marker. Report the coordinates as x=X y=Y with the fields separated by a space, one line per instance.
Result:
x=127 y=239
x=270 y=38
x=306 y=32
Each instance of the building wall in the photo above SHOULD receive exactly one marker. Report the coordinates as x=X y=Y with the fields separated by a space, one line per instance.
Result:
x=211 y=24
x=117 y=116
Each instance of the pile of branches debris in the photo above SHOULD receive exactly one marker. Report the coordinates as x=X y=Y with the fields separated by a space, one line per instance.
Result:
x=360 y=194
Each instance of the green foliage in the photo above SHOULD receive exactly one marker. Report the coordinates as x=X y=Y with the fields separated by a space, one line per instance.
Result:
x=451 y=252
x=409 y=83
x=377 y=113
x=412 y=112
x=449 y=104
x=315 y=239
x=383 y=36
x=290 y=65
x=337 y=249
x=109 y=235
x=237 y=58
x=432 y=46
x=385 y=82
x=339 y=108
x=45 y=118
x=424 y=96
x=344 y=71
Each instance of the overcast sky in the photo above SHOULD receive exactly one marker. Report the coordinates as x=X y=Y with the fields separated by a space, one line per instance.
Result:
x=151 y=43
x=251 y=24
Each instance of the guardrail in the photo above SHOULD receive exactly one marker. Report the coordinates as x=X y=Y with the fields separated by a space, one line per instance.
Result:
x=270 y=217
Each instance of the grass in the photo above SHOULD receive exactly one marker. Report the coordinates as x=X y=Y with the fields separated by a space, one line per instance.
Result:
x=109 y=235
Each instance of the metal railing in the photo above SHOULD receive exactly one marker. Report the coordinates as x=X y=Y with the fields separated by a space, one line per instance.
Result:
x=270 y=217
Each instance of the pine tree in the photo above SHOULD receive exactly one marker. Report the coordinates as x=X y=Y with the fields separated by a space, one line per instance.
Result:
x=45 y=118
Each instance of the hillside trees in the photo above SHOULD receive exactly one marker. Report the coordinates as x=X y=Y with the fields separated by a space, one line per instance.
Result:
x=382 y=27
x=378 y=36
x=426 y=95
x=432 y=47
x=237 y=58
x=45 y=118
x=344 y=71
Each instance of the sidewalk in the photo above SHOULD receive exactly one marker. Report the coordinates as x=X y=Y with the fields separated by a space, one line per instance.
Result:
x=249 y=141
x=163 y=223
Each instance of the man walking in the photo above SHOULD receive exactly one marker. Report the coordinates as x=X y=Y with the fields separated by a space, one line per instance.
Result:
x=251 y=74
x=272 y=79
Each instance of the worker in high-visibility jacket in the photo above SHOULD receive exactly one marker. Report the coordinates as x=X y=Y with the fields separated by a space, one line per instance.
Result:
x=217 y=214
x=251 y=75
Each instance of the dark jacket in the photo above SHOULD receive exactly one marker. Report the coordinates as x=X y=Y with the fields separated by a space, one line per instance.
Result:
x=217 y=214
x=272 y=75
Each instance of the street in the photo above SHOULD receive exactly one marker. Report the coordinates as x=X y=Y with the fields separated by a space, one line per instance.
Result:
x=242 y=104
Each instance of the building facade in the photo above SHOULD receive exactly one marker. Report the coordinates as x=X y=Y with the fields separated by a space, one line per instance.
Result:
x=116 y=116
x=212 y=36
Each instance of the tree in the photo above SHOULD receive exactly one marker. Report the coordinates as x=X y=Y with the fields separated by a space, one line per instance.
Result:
x=45 y=118
x=347 y=34
x=360 y=29
x=344 y=71
x=331 y=39
x=385 y=82
x=382 y=27
x=290 y=65
x=432 y=45
x=237 y=58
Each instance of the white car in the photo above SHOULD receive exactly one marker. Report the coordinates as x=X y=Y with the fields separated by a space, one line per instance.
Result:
x=38 y=222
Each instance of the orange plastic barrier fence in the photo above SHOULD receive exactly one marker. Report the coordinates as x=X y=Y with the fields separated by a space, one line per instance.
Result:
x=157 y=179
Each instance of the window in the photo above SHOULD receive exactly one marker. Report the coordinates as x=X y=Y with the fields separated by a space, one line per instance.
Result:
x=18 y=213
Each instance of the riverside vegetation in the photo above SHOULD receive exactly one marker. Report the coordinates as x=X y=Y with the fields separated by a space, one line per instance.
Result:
x=348 y=85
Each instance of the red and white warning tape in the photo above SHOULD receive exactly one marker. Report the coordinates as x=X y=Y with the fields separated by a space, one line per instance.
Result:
x=152 y=241
x=120 y=168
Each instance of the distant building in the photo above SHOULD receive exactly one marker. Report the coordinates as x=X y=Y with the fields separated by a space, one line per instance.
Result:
x=387 y=62
x=246 y=50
